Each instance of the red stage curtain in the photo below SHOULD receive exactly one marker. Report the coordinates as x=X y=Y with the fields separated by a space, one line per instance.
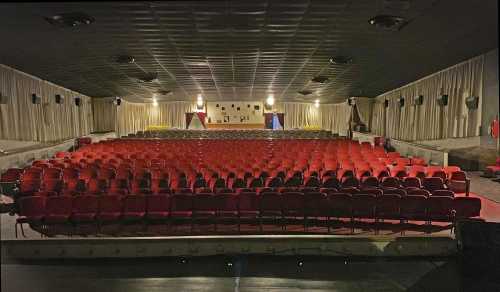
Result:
x=189 y=117
x=201 y=116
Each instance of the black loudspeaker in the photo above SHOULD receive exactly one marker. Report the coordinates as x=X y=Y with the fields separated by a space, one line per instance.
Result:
x=36 y=99
x=443 y=100
x=118 y=101
x=3 y=99
x=386 y=103
x=351 y=101
x=59 y=99
x=472 y=102
x=419 y=100
x=78 y=101
x=401 y=101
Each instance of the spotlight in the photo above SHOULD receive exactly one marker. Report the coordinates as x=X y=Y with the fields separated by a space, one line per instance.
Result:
x=183 y=260
x=300 y=263
x=270 y=99
x=229 y=264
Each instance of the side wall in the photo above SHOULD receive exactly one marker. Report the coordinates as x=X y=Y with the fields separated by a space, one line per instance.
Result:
x=20 y=119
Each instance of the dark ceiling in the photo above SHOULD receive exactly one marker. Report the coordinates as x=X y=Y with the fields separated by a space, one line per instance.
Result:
x=243 y=50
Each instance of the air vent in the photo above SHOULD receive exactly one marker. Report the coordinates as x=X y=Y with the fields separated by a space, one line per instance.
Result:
x=320 y=79
x=164 y=92
x=72 y=19
x=340 y=60
x=149 y=78
x=388 y=22
x=125 y=59
x=305 y=92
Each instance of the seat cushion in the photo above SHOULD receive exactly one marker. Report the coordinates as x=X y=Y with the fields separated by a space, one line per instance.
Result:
x=204 y=213
x=227 y=213
x=56 y=218
x=83 y=217
x=157 y=215
x=249 y=213
x=110 y=216
x=181 y=214
x=133 y=215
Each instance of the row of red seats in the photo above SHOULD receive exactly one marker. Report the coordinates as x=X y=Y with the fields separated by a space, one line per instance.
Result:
x=38 y=210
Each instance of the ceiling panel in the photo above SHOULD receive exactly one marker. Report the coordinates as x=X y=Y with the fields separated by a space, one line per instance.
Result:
x=244 y=50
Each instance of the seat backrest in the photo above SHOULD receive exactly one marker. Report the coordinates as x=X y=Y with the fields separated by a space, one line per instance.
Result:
x=157 y=203
x=110 y=203
x=446 y=193
x=433 y=183
x=439 y=206
x=59 y=205
x=467 y=207
x=181 y=202
x=134 y=203
x=271 y=201
x=293 y=201
x=32 y=206
x=226 y=202
x=203 y=202
x=86 y=204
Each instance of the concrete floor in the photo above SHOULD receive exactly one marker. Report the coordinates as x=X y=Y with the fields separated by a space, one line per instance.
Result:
x=485 y=187
x=245 y=273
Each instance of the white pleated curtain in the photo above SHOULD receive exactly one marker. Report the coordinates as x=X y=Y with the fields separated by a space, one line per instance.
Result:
x=364 y=107
x=336 y=117
x=133 y=117
x=429 y=120
x=104 y=110
x=299 y=115
x=20 y=119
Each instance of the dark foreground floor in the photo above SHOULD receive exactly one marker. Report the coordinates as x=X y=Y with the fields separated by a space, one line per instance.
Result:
x=248 y=273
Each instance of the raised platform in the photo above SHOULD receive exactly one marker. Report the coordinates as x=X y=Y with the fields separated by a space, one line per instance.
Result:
x=188 y=246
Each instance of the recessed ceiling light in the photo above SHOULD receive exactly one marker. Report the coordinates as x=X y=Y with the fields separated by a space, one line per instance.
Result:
x=340 y=60
x=388 y=22
x=320 y=79
x=70 y=19
x=305 y=92
x=149 y=78
x=125 y=59
x=164 y=92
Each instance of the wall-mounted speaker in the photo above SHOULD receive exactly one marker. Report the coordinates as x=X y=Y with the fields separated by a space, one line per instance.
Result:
x=35 y=99
x=118 y=101
x=3 y=99
x=351 y=101
x=401 y=101
x=472 y=102
x=419 y=100
x=78 y=101
x=442 y=100
x=59 y=99
x=386 y=103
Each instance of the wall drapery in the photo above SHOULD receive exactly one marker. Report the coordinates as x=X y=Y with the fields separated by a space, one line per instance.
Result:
x=133 y=117
x=20 y=119
x=429 y=120
x=364 y=106
x=104 y=110
x=299 y=115
x=336 y=117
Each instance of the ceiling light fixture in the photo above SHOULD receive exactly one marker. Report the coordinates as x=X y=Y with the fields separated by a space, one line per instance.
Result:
x=72 y=19
x=125 y=59
x=316 y=103
x=155 y=102
x=305 y=92
x=388 y=22
x=270 y=99
x=320 y=79
x=340 y=60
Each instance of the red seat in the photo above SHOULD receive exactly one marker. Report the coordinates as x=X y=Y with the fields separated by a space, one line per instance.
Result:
x=331 y=182
x=390 y=182
x=349 y=182
x=134 y=207
x=458 y=182
x=433 y=184
x=418 y=192
x=226 y=205
x=369 y=182
x=293 y=204
x=85 y=208
x=58 y=209
x=411 y=182
x=388 y=207
x=372 y=191
x=270 y=206
x=29 y=187
x=340 y=205
x=96 y=186
x=158 y=207
x=31 y=211
x=445 y=193
x=110 y=208
x=248 y=205
x=181 y=206
x=439 y=208
x=363 y=206
x=466 y=207
x=414 y=207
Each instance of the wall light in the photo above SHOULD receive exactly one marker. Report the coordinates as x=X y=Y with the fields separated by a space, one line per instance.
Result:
x=316 y=103
x=270 y=99
x=155 y=102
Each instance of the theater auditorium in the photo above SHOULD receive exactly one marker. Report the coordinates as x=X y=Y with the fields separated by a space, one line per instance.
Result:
x=267 y=145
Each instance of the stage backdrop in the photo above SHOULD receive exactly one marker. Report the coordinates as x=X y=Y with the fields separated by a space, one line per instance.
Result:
x=235 y=112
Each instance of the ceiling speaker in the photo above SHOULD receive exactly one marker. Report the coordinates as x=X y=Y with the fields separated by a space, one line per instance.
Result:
x=442 y=100
x=472 y=102
x=59 y=99
x=3 y=99
x=36 y=99
x=78 y=101
x=419 y=100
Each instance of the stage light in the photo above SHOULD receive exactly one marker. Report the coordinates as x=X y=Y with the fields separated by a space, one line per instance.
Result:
x=199 y=103
x=316 y=103
x=199 y=97
x=270 y=99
